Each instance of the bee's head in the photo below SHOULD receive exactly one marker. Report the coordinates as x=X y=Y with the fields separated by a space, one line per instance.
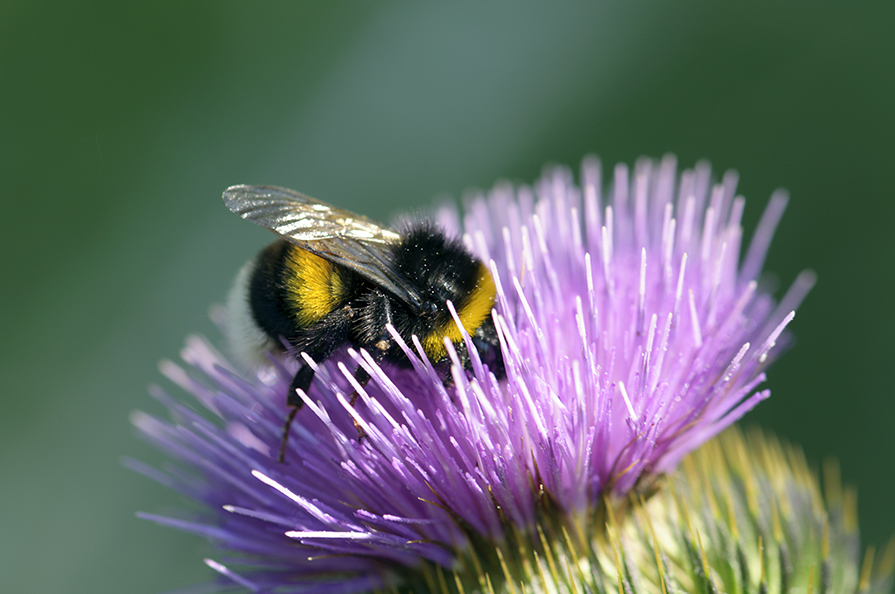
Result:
x=441 y=269
x=430 y=310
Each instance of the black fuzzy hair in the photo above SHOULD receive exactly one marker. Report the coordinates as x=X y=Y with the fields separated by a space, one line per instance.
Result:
x=440 y=266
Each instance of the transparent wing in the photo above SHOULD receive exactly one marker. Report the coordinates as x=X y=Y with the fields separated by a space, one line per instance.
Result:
x=342 y=237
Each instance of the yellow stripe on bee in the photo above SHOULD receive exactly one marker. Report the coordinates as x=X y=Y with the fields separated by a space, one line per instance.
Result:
x=472 y=315
x=314 y=287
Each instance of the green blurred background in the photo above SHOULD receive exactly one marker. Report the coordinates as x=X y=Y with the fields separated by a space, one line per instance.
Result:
x=121 y=123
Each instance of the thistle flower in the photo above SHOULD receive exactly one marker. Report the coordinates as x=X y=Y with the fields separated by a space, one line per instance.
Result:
x=629 y=335
x=742 y=514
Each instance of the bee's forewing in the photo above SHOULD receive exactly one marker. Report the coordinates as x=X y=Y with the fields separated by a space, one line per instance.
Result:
x=337 y=235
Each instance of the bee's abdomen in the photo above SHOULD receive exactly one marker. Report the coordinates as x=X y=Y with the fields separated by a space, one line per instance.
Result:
x=313 y=287
x=292 y=289
x=266 y=292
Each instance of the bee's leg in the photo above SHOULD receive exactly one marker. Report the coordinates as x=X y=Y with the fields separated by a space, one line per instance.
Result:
x=301 y=381
x=362 y=377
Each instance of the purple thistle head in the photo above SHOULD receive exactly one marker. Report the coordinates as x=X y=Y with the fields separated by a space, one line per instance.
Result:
x=629 y=334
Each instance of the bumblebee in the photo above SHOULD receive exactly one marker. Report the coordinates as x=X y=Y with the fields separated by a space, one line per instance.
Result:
x=337 y=279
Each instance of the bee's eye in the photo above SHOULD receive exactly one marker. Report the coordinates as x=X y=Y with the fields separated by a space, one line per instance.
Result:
x=431 y=309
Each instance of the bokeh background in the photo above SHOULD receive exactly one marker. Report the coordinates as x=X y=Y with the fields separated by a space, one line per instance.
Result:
x=121 y=123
